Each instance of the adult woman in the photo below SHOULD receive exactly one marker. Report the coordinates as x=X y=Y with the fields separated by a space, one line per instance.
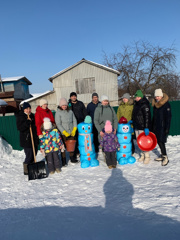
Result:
x=125 y=109
x=42 y=111
x=103 y=113
x=161 y=122
x=67 y=125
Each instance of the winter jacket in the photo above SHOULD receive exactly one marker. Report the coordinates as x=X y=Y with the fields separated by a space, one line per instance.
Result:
x=125 y=110
x=51 y=140
x=40 y=115
x=109 y=142
x=161 y=118
x=78 y=109
x=91 y=109
x=141 y=114
x=102 y=114
x=23 y=125
x=65 y=120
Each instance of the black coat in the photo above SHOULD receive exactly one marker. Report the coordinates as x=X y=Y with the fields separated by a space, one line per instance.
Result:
x=161 y=118
x=141 y=114
x=23 y=125
x=91 y=109
x=78 y=109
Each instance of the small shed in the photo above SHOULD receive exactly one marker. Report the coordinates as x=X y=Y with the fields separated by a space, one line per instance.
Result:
x=84 y=78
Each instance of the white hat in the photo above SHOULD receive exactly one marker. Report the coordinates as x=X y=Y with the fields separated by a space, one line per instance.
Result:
x=42 y=102
x=104 y=97
x=47 y=124
x=158 y=93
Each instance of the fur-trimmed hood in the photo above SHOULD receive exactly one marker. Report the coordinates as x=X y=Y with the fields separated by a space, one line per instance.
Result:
x=163 y=100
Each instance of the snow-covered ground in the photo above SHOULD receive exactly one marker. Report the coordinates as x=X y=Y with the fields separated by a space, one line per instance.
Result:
x=131 y=202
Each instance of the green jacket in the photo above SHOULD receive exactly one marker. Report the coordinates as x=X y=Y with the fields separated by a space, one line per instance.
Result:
x=102 y=114
x=125 y=110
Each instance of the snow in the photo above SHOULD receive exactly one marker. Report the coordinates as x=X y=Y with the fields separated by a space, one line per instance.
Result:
x=36 y=95
x=131 y=202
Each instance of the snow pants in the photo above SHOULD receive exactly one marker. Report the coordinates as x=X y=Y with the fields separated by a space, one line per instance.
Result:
x=111 y=158
x=29 y=155
x=53 y=161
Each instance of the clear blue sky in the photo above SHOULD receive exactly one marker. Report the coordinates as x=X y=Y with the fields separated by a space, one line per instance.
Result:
x=39 y=38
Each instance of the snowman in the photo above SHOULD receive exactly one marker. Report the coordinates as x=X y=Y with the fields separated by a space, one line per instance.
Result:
x=86 y=145
x=124 y=132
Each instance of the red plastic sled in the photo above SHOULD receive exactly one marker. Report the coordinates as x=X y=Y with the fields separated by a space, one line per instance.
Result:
x=147 y=143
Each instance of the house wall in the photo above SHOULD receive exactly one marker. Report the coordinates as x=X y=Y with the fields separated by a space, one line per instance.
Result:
x=21 y=90
x=105 y=83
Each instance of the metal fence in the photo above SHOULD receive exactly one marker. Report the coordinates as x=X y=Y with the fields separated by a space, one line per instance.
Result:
x=9 y=132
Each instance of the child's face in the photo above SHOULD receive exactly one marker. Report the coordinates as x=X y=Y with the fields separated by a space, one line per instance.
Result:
x=108 y=131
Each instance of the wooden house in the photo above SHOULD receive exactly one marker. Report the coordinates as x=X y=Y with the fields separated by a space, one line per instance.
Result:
x=13 y=90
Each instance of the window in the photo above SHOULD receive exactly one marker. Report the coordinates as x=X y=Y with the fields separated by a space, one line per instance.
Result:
x=85 y=85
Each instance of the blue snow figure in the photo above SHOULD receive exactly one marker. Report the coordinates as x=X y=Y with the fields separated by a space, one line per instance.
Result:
x=124 y=132
x=86 y=145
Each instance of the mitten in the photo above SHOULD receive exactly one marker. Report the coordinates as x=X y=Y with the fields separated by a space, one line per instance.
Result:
x=66 y=134
x=73 y=131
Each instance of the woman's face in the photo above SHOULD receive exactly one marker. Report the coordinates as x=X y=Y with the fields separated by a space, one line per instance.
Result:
x=105 y=102
x=44 y=106
x=64 y=107
x=158 y=98
x=125 y=100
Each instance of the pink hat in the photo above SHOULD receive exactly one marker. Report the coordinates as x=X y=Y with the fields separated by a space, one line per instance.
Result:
x=63 y=102
x=108 y=126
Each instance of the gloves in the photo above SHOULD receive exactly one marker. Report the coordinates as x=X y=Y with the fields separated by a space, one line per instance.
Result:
x=66 y=134
x=73 y=131
x=130 y=122
x=62 y=148
x=146 y=131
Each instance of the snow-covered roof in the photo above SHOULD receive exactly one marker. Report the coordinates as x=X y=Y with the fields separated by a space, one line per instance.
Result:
x=36 y=96
x=86 y=61
x=13 y=79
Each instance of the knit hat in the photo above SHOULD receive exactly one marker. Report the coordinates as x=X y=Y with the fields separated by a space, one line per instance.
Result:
x=122 y=120
x=47 y=124
x=139 y=94
x=26 y=105
x=108 y=126
x=73 y=94
x=158 y=93
x=42 y=102
x=62 y=102
x=95 y=95
x=126 y=95
x=104 y=97
x=88 y=119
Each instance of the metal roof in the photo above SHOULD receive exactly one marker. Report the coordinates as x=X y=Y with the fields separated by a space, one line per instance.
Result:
x=13 y=79
x=37 y=96
x=86 y=61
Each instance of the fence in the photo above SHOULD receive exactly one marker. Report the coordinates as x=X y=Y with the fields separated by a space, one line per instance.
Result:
x=9 y=132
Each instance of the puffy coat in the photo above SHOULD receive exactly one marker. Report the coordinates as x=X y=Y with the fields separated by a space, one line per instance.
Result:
x=40 y=115
x=65 y=120
x=161 y=118
x=78 y=109
x=102 y=114
x=91 y=107
x=23 y=125
x=125 y=110
x=141 y=114
x=51 y=140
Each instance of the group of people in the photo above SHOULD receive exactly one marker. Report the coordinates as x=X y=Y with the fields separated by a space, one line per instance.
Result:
x=52 y=133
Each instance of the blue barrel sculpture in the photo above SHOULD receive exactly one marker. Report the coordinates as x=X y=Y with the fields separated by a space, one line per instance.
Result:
x=124 y=132
x=86 y=145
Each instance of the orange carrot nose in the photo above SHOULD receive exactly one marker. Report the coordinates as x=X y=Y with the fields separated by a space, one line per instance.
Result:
x=86 y=131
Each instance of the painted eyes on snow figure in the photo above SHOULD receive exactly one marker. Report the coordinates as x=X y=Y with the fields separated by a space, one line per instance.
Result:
x=125 y=128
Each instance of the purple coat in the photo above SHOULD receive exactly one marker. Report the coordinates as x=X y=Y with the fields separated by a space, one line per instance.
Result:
x=109 y=142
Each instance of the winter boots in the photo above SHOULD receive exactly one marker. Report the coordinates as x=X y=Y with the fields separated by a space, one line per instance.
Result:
x=145 y=158
x=160 y=158
x=64 y=162
x=73 y=160
x=164 y=160
x=25 y=169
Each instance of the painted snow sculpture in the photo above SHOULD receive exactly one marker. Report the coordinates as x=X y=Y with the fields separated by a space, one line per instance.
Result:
x=86 y=145
x=124 y=131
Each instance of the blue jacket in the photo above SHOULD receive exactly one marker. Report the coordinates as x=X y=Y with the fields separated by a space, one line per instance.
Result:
x=91 y=109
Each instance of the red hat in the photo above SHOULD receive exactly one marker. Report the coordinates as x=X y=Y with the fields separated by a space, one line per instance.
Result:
x=122 y=120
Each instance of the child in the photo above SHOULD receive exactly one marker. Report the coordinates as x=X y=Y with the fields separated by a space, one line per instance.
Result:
x=109 y=143
x=51 y=142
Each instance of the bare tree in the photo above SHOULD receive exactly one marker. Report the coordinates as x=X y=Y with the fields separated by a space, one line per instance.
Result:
x=143 y=66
